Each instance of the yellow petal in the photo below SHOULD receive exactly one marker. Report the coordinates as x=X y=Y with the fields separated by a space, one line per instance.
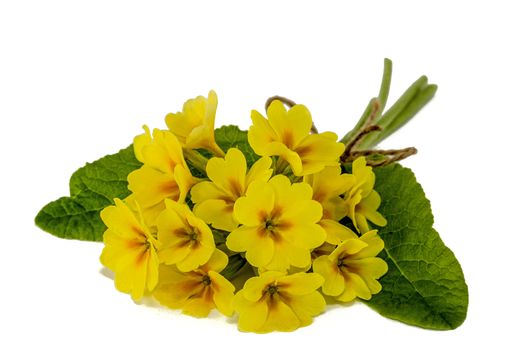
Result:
x=354 y=286
x=242 y=238
x=318 y=151
x=301 y=283
x=252 y=314
x=207 y=190
x=121 y=220
x=364 y=174
x=334 y=208
x=152 y=273
x=217 y=262
x=222 y=293
x=184 y=180
x=370 y=269
x=229 y=173
x=329 y=183
x=348 y=247
x=261 y=251
x=256 y=206
x=368 y=207
x=292 y=126
x=170 y=274
x=280 y=318
x=291 y=157
x=334 y=283
x=164 y=153
x=150 y=186
x=255 y=287
x=260 y=171
x=374 y=245
x=304 y=235
x=260 y=134
x=362 y=223
x=218 y=213
x=174 y=295
x=140 y=141
x=306 y=306
x=200 y=306
x=284 y=254
x=336 y=232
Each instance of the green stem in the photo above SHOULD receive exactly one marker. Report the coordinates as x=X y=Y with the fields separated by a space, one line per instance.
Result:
x=385 y=84
x=397 y=108
x=382 y=98
x=421 y=99
x=196 y=159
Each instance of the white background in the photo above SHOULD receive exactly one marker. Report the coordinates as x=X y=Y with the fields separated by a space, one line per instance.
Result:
x=78 y=80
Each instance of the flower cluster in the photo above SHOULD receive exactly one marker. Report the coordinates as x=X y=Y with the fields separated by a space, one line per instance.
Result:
x=298 y=220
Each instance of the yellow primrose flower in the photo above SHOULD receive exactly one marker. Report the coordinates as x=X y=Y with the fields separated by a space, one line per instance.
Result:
x=141 y=141
x=164 y=174
x=352 y=269
x=130 y=250
x=278 y=224
x=199 y=291
x=214 y=200
x=328 y=185
x=287 y=134
x=361 y=200
x=275 y=301
x=195 y=125
x=185 y=239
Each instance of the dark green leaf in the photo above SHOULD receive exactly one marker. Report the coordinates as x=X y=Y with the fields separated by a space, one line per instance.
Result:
x=424 y=285
x=92 y=188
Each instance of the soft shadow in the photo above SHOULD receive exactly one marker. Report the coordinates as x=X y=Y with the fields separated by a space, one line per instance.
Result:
x=107 y=273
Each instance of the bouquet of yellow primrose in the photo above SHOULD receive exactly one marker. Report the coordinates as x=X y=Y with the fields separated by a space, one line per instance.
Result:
x=271 y=224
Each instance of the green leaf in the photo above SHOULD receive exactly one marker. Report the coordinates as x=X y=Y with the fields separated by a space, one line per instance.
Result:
x=92 y=188
x=231 y=136
x=424 y=285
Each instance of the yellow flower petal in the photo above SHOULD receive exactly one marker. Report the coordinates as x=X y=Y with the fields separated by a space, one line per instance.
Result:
x=150 y=186
x=261 y=251
x=336 y=232
x=222 y=293
x=260 y=171
x=217 y=262
x=206 y=190
x=370 y=269
x=242 y=238
x=140 y=141
x=199 y=306
x=374 y=245
x=301 y=283
x=194 y=127
x=120 y=219
x=280 y=318
x=306 y=306
x=218 y=213
x=255 y=287
x=229 y=173
x=318 y=151
x=260 y=134
x=186 y=240
x=334 y=282
x=259 y=202
x=252 y=314
x=292 y=126
x=368 y=207
x=355 y=286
